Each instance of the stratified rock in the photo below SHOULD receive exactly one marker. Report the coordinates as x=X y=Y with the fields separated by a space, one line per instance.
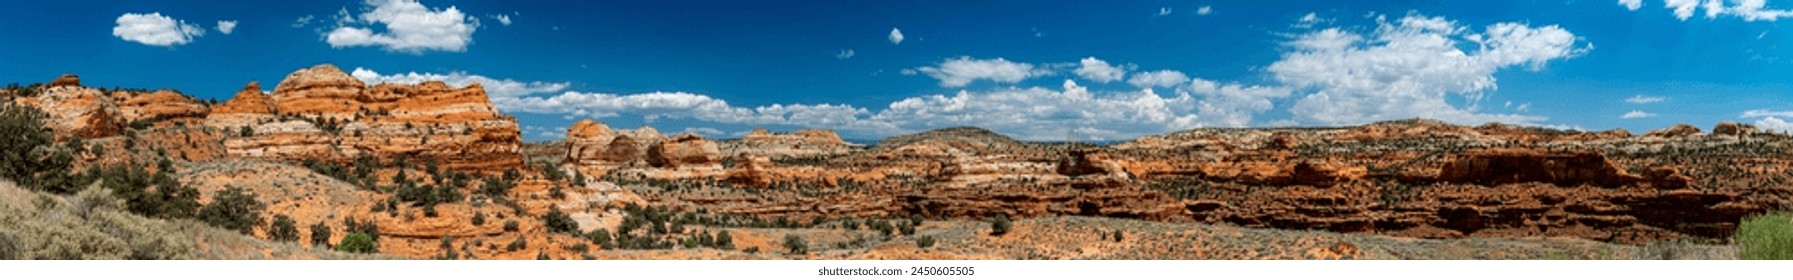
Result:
x=77 y=111
x=808 y=143
x=249 y=107
x=66 y=80
x=160 y=105
x=1519 y=166
x=688 y=151
x=321 y=90
x=456 y=127
x=1733 y=129
x=1678 y=130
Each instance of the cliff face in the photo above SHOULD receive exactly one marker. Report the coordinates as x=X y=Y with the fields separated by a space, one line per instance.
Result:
x=334 y=117
x=76 y=110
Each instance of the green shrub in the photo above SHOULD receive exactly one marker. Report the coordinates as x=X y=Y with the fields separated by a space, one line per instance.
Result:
x=795 y=244
x=357 y=242
x=479 y=218
x=724 y=241
x=232 y=209
x=924 y=241
x=282 y=229
x=558 y=222
x=599 y=236
x=27 y=152
x=518 y=244
x=1000 y=225
x=915 y=219
x=1766 y=237
x=320 y=235
x=510 y=225
x=1119 y=236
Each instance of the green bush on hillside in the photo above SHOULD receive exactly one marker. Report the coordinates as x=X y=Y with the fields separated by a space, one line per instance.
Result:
x=1766 y=237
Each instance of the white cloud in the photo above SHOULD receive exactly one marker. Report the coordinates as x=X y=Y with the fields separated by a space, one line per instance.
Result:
x=227 y=26
x=495 y=87
x=1409 y=67
x=154 y=29
x=408 y=27
x=958 y=72
x=504 y=20
x=1757 y=113
x=1632 y=4
x=1160 y=78
x=1641 y=99
x=1034 y=113
x=1100 y=71
x=705 y=131
x=303 y=21
x=1774 y=124
x=1163 y=11
x=845 y=54
x=1205 y=10
x=896 y=36
x=1635 y=114
x=1748 y=10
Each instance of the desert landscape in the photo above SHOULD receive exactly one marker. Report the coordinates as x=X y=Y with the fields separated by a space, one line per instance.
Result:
x=327 y=166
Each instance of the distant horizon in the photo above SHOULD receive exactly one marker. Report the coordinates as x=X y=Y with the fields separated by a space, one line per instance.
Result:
x=1030 y=70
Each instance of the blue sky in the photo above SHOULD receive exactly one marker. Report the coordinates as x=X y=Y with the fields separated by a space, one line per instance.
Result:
x=1030 y=69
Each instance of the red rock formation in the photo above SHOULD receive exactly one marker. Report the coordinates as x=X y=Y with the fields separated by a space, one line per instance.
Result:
x=687 y=151
x=66 y=80
x=457 y=127
x=249 y=107
x=162 y=104
x=1519 y=166
x=1678 y=130
x=321 y=90
x=77 y=111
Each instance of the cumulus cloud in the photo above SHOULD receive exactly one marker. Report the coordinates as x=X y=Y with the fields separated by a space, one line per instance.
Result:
x=1160 y=79
x=407 y=26
x=494 y=87
x=1100 y=71
x=1632 y=4
x=1748 y=10
x=896 y=36
x=1642 y=99
x=1408 y=67
x=1163 y=11
x=845 y=54
x=957 y=72
x=1205 y=10
x=1774 y=124
x=155 y=29
x=1635 y=114
x=227 y=26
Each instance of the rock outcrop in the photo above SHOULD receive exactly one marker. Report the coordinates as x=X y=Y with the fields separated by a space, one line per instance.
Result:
x=341 y=119
x=321 y=90
x=161 y=105
x=1495 y=167
x=1733 y=129
x=808 y=143
x=77 y=111
x=1678 y=130
x=687 y=151
x=248 y=107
